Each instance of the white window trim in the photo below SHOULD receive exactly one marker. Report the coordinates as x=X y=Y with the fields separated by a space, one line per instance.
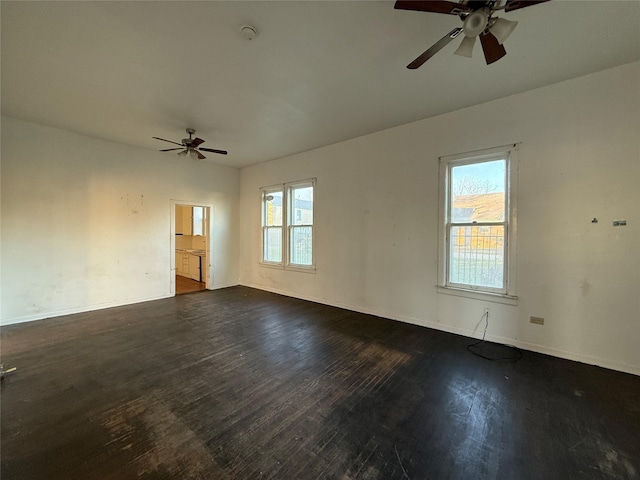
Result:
x=286 y=264
x=508 y=296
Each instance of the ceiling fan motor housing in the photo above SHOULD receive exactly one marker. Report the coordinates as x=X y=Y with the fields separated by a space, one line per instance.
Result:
x=187 y=141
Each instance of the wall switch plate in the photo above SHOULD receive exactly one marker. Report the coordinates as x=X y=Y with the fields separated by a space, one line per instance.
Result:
x=536 y=320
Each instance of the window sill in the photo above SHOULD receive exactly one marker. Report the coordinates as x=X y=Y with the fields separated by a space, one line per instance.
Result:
x=477 y=295
x=301 y=269
x=277 y=266
x=294 y=268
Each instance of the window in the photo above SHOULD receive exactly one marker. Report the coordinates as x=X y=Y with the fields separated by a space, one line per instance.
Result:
x=272 y=225
x=477 y=221
x=199 y=220
x=288 y=208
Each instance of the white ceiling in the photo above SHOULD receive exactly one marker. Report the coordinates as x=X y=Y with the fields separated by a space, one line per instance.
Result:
x=316 y=74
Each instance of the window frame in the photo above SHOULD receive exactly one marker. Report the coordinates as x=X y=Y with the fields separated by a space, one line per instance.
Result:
x=288 y=222
x=506 y=294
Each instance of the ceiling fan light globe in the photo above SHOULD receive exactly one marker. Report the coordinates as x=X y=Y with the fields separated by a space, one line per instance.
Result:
x=466 y=47
x=502 y=29
x=182 y=153
x=475 y=23
x=194 y=154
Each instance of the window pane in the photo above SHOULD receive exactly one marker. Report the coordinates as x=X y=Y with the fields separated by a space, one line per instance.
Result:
x=302 y=206
x=478 y=192
x=476 y=256
x=198 y=220
x=273 y=209
x=301 y=245
x=272 y=244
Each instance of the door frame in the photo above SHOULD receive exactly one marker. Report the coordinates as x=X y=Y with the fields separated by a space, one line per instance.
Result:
x=208 y=278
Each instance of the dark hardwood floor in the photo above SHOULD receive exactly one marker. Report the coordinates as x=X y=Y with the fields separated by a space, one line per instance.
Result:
x=242 y=384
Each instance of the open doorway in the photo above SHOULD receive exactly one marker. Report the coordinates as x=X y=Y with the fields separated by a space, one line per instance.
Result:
x=191 y=246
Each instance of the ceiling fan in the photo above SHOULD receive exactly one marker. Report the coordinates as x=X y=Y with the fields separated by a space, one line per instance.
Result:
x=191 y=146
x=478 y=21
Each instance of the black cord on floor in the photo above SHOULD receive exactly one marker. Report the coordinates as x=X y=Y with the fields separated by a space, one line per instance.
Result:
x=476 y=350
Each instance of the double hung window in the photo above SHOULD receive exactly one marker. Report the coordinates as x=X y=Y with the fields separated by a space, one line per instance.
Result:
x=478 y=221
x=287 y=225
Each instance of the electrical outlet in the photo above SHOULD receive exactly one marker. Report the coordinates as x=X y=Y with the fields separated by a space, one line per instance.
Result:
x=536 y=320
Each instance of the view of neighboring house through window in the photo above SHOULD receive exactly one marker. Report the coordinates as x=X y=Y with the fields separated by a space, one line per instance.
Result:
x=288 y=208
x=478 y=236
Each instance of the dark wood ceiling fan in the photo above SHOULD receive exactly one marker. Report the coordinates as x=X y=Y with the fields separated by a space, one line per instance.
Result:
x=478 y=21
x=191 y=146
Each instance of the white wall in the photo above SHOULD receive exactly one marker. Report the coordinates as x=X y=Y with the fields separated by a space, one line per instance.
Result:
x=377 y=220
x=86 y=223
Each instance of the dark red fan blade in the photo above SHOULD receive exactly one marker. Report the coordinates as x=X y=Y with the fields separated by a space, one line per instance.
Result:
x=196 y=141
x=435 y=48
x=213 y=150
x=435 y=6
x=200 y=156
x=164 y=140
x=493 y=51
x=171 y=149
x=516 y=4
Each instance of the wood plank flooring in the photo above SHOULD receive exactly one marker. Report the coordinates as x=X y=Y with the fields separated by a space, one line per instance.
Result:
x=187 y=285
x=244 y=384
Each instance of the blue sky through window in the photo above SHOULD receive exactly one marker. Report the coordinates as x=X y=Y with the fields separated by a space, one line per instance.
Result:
x=487 y=177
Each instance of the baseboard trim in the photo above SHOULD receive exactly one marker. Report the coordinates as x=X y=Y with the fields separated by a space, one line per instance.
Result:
x=83 y=309
x=532 y=347
x=91 y=308
x=224 y=285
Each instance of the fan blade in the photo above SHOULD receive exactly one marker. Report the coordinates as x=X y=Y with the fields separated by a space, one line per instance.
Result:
x=196 y=141
x=435 y=48
x=450 y=8
x=171 y=149
x=516 y=4
x=170 y=141
x=213 y=150
x=200 y=156
x=183 y=153
x=493 y=51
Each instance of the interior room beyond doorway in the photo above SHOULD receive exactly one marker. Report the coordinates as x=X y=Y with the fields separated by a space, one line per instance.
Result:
x=192 y=248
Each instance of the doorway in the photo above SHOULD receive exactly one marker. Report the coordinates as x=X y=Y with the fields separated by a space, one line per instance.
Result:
x=191 y=240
